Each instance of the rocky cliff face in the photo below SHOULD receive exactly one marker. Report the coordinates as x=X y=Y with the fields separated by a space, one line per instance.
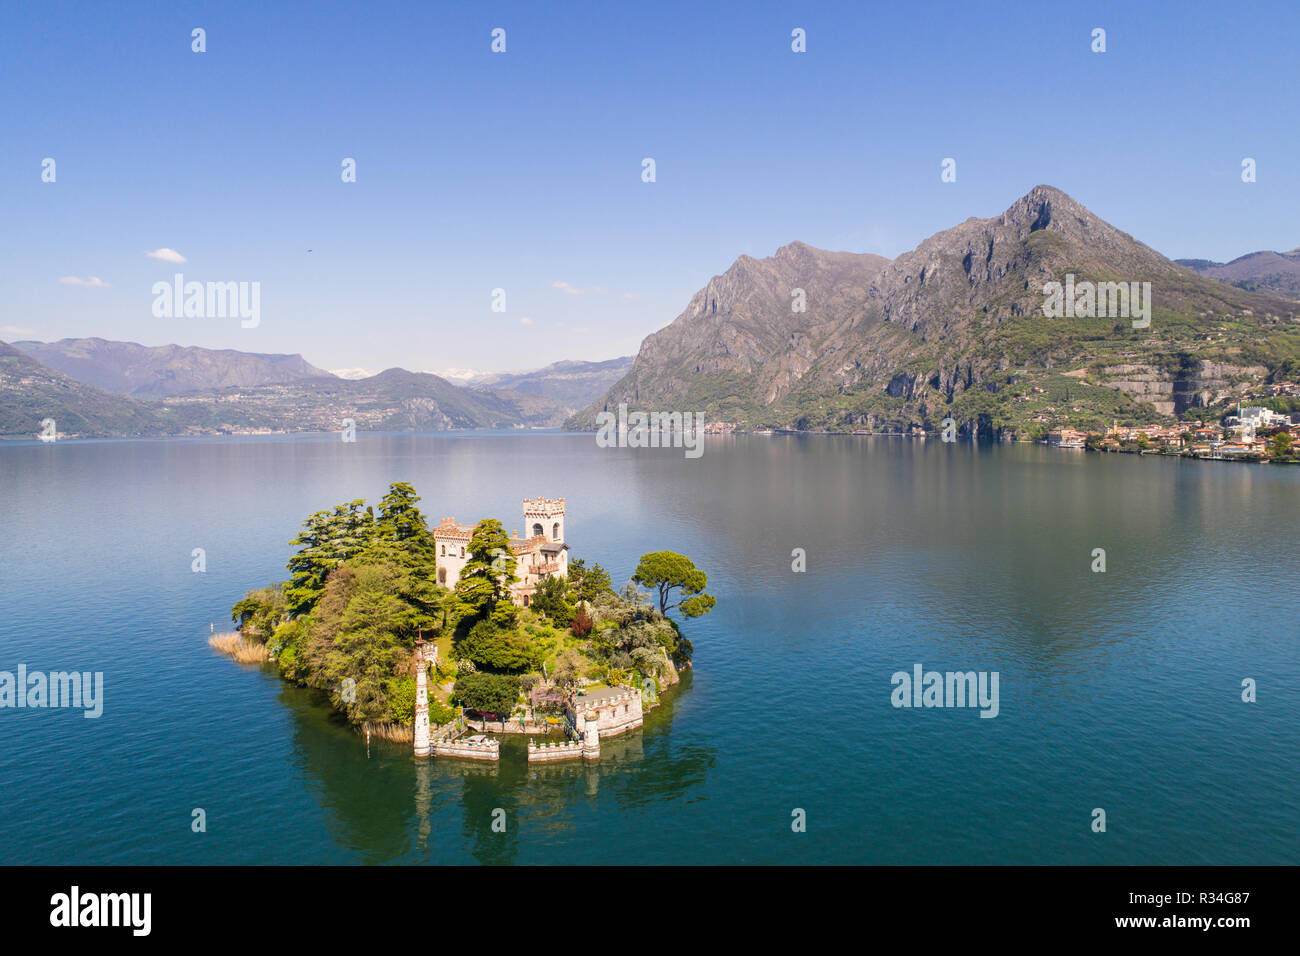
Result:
x=746 y=327
x=950 y=328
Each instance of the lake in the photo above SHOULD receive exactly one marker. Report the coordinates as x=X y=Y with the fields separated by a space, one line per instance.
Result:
x=1119 y=690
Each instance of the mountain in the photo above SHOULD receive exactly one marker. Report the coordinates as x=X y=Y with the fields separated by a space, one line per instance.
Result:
x=393 y=400
x=31 y=392
x=954 y=328
x=461 y=376
x=740 y=345
x=128 y=368
x=1274 y=272
x=573 y=384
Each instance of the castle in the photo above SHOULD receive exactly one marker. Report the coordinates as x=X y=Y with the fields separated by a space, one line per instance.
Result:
x=540 y=554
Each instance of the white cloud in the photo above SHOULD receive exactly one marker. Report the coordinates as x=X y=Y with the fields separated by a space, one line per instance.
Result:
x=94 y=282
x=569 y=289
x=166 y=255
x=14 y=330
x=525 y=321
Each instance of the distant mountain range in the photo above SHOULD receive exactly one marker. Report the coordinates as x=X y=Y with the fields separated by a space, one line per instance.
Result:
x=153 y=372
x=31 y=392
x=570 y=383
x=955 y=329
x=805 y=339
x=1273 y=272
x=393 y=400
x=100 y=388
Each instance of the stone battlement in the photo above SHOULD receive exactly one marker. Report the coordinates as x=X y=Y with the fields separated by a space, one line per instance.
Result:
x=519 y=545
x=623 y=695
x=545 y=507
x=571 y=750
x=448 y=528
x=485 y=749
x=606 y=713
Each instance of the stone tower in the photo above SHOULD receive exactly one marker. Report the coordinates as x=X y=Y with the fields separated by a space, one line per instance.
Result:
x=544 y=516
x=425 y=654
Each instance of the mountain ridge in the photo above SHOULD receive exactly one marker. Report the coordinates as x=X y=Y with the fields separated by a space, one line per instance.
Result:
x=129 y=368
x=392 y=400
x=952 y=328
x=1263 y=271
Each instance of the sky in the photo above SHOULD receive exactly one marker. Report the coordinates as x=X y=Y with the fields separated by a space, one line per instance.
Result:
x=523 y=170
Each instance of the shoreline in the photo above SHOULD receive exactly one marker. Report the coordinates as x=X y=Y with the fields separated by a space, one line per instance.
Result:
x=17 y=441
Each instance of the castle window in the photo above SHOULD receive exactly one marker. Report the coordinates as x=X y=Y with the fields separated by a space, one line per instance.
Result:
x=462 y=551
x=555 y=531
x=537 y=529
x=444 y=550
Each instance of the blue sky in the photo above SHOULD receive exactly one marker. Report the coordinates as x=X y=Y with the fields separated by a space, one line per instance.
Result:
x=522 y=170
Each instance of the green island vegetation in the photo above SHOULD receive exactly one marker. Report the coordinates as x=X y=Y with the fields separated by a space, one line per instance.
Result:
x=362 y=589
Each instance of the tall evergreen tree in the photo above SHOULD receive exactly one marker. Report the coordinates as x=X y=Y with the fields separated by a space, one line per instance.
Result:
x=327 y=540
x=489 y=569
x=401 y=521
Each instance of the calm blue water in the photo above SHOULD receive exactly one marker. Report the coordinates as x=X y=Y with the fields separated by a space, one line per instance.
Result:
x=1118 y=690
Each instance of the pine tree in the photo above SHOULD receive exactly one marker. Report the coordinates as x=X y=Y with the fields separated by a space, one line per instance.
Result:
x=489 y=569
x=328 y=539
x=402 y=522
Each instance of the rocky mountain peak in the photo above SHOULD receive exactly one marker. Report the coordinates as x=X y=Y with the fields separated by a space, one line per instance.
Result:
x=949 y=317
x=1047 y=207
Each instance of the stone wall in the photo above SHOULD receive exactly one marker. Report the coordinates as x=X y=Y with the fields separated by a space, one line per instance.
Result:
x=469 y=749
x=614 y=715
x=549 y=751
x=597 y=717
x=512 y=726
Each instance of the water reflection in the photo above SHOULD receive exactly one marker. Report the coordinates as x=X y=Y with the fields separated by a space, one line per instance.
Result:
x=387 y=806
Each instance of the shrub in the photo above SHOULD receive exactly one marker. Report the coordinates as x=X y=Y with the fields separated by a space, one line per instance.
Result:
x=581 y=625
x=567 y=668
x=551 y=600
x=401 y=699
x=440 y=713
x=494 y=693
x=491 y=647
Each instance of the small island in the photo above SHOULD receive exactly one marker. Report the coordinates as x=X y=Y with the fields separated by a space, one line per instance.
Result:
x=440 y=637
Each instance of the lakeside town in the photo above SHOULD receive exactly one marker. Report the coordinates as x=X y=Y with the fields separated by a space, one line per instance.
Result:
x=1246 y=427
x=1249 y=433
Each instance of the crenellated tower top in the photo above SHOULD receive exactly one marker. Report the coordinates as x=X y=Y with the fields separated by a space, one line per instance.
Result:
x=544 y=516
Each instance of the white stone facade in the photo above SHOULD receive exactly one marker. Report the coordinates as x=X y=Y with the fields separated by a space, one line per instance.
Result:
x=540 y=554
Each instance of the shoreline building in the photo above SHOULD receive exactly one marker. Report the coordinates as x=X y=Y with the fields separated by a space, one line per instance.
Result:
x=539 y=554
